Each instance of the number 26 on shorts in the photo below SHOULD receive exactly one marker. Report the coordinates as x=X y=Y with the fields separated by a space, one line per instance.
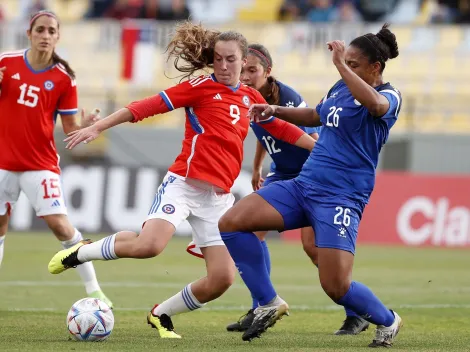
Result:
x=342 y=216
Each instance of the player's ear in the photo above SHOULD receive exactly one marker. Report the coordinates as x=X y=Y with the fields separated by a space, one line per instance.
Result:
x=28 y=33
x=376 y=67
x=268 y=71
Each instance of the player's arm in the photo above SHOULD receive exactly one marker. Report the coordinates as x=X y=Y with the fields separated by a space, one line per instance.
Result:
x=260 y=154
x=307 y=117
x=373 y=101
x=288 y=133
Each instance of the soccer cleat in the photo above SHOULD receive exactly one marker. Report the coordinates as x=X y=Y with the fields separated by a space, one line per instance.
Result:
x=243 y=323
x=352 y=326
x=265 y=317
x=66 y=259
x=102 y=297
x=384 y=335
x=163 y=324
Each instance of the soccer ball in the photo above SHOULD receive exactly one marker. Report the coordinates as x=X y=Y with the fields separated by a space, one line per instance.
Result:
x=90 y=319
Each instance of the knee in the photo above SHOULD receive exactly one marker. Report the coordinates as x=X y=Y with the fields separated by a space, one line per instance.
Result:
x=148 y=250
x=229 y=222
x=311 y=251
x=335 y=288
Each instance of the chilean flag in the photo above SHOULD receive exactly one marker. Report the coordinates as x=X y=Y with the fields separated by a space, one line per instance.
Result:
x=138 y=53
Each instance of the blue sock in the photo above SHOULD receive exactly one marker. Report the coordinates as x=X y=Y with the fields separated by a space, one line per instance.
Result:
x=361 y=300
x=267 y=261
x=350 y=313
x=247 y=252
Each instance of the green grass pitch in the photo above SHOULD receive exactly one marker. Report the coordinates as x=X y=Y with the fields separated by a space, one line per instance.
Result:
x=430 y=288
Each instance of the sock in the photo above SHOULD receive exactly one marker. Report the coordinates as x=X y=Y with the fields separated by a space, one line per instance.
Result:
x=247 y=252
x=183 y=301
x=350 y=313
x=99 y=250
x=362 y=300
x=85 y=270
x=267 y=261
x=2 y=240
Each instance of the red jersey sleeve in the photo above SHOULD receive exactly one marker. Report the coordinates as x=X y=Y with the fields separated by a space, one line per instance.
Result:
x=185 y=94
x=147 y=107
x=279 y=129
x=68 y=101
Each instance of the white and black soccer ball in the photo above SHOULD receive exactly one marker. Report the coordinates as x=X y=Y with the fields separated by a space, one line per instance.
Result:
x=90 y=319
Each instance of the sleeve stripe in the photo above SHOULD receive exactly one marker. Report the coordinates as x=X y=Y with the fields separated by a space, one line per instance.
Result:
x=303 y=104
x=167 y=100
x=395 y=94
x=67 y=111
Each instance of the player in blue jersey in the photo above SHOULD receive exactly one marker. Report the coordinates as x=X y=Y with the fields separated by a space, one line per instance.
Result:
x=332 y=189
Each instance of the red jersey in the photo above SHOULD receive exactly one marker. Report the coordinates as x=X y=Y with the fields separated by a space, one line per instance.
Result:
x=216 y=126
x=29 y=103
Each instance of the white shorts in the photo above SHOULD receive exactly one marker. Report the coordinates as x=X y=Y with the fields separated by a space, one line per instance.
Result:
x=43 y=189
x=178 y=200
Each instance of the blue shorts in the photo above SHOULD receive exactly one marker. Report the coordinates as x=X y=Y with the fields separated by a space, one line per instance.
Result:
x=274 y=177
x=335 y=220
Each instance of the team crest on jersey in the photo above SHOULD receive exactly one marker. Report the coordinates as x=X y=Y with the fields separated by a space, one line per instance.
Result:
x=246 y=100
x=168 y=209
x=49 y=85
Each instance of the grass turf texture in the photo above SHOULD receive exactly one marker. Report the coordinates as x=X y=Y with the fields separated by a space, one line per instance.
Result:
x=430 y=288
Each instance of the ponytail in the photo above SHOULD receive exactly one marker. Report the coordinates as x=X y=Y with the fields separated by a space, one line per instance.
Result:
x=56 y=59
x=274 y=97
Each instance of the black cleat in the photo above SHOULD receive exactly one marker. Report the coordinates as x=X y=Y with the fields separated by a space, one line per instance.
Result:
x=243 y=323
x=352 y=326
x=265 y=317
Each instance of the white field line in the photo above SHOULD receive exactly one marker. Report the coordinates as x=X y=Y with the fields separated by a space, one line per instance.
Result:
x=279 y=287
x=244 y=308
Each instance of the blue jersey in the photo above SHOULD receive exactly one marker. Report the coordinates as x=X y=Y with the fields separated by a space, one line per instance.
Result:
x=344 y=159
x=287 y=158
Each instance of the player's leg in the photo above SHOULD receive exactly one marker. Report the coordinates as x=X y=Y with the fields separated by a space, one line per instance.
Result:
x=353 y=324
x=271 y=208
x=9 y=194
x=336 y=229
x=166 y=213
x=205 y=214
x=44 y=191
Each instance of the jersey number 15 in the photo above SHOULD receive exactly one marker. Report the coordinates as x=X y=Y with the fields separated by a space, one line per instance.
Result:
x=29 y=95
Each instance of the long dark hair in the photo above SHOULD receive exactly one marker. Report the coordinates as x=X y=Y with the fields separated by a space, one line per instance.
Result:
x=56 y=59
x=195 y=44
x=260 y=51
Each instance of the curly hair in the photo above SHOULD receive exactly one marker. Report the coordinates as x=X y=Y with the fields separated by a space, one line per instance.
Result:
x=194 y=44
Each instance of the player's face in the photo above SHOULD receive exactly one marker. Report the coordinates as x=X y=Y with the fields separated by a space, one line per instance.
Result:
x=228 y=62
x=44 y=34
x=254 y=74
x=360 y=64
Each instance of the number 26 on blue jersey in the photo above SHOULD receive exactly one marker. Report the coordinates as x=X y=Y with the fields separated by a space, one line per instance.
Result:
x=332 y=119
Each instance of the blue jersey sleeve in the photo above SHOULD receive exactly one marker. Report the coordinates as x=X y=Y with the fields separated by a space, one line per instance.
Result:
x=394 y=98
x=312 y=130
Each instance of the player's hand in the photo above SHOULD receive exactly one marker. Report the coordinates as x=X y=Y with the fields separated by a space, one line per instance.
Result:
x=256 y=180
x=260 y=112
x=90 y=119
x=338 y=48
x=84 y=135
x=2 y=69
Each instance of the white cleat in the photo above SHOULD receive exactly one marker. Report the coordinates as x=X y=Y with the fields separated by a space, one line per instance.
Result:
x=385 y=335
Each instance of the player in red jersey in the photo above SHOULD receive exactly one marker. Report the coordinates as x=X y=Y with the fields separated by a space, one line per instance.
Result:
x=35 y=86
x=197 y=186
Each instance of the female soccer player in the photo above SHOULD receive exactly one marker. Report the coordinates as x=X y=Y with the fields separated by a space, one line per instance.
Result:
x=197 y=186
x=35 y=86
x=332 y=189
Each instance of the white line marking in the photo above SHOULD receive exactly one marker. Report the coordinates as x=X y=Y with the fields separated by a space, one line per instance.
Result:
x=279 y=287
x=244 y=308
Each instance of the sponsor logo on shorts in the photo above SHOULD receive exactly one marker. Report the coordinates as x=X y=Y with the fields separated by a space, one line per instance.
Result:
x=168 y=209
x=342 y=232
